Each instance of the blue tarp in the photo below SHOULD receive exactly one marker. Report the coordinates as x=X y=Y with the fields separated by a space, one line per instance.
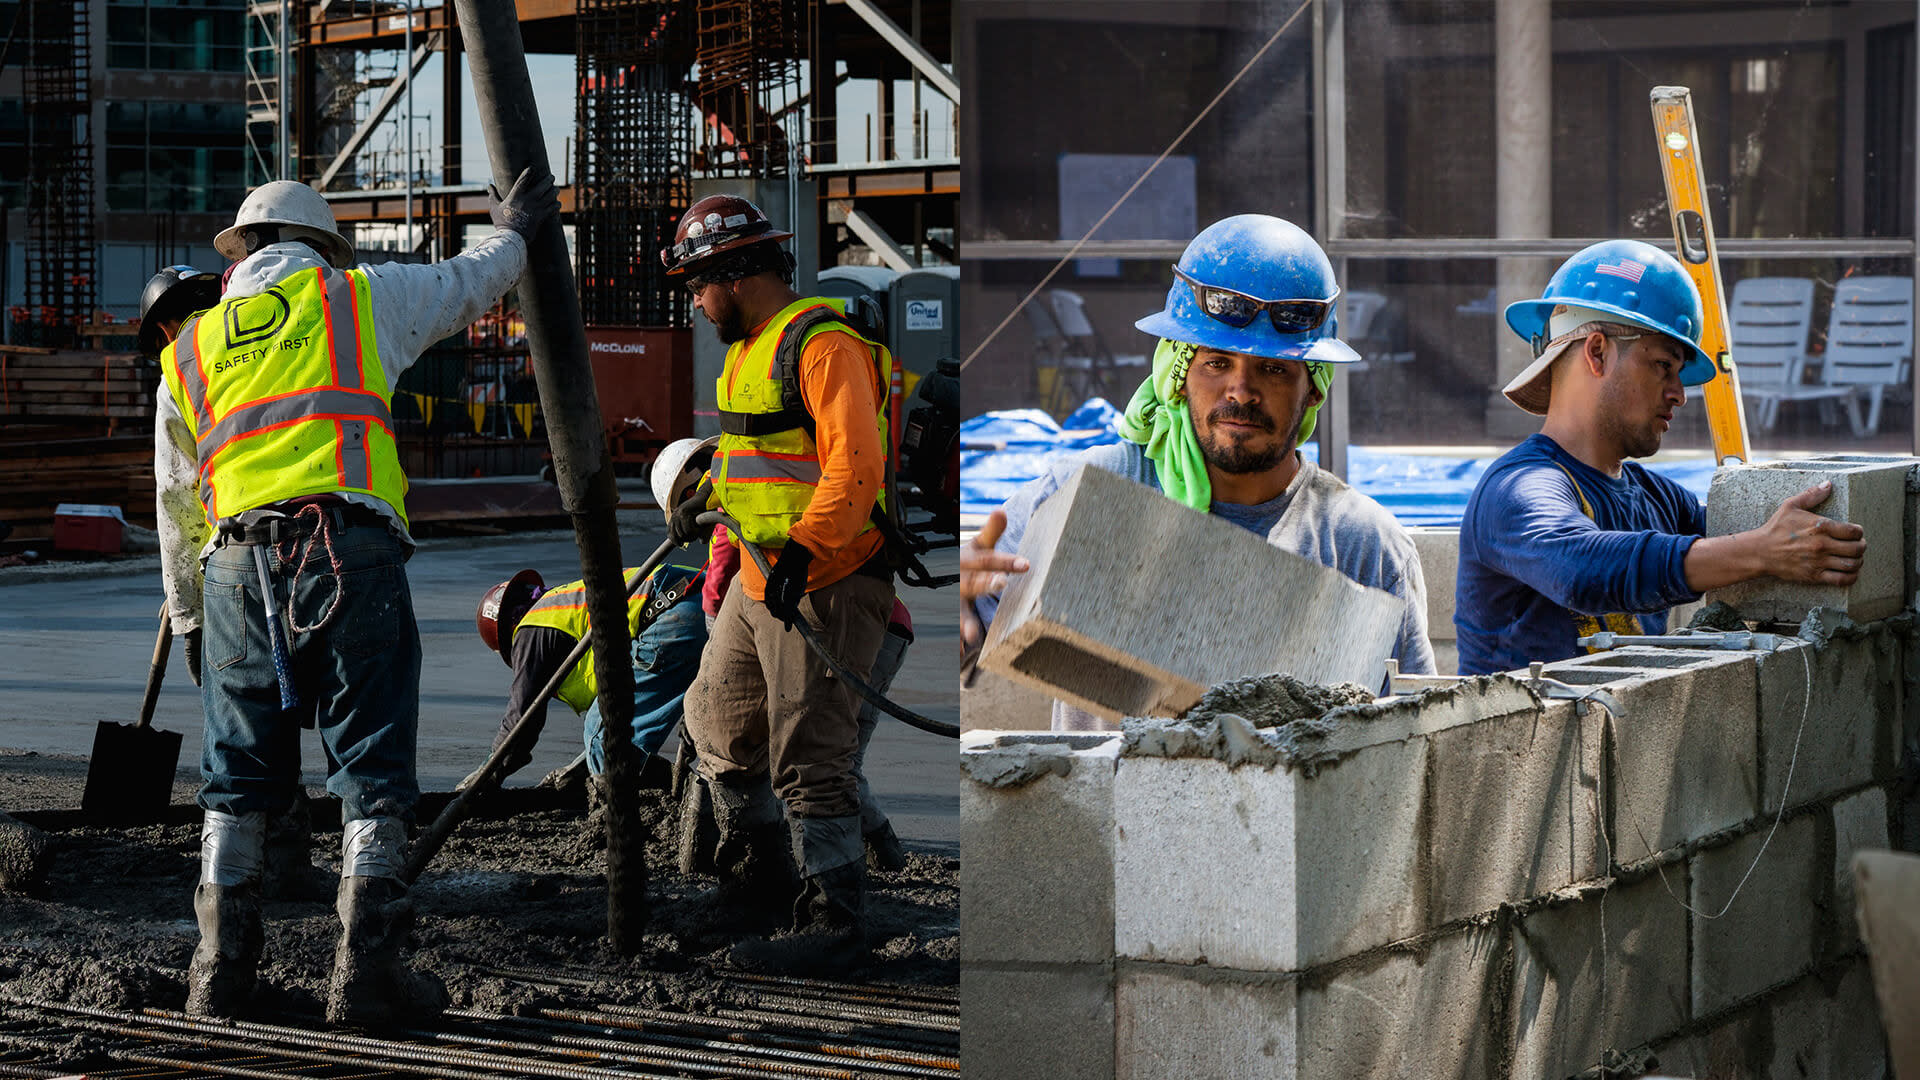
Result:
x=1002 y=450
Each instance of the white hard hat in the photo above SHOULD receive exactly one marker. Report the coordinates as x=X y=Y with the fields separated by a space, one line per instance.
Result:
x=680 y=464
x=301 y=213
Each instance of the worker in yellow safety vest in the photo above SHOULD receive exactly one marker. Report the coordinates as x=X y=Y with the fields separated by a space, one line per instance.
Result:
x=802 y=466
x=283 y=537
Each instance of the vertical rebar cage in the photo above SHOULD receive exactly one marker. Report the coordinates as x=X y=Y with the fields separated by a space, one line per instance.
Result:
x=749 y=54
x=61 y=259
x=633 y=59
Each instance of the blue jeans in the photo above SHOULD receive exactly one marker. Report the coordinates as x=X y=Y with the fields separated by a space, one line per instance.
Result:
x=666 y=657
x=358 y=679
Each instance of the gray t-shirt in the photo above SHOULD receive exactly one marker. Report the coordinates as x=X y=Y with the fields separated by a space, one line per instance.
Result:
x=1318 y=517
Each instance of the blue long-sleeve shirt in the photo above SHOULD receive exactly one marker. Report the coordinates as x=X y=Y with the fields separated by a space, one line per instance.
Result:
x=1531 y=559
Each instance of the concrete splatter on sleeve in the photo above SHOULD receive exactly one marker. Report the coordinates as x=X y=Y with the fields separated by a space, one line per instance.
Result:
x=416 y=305
x=181 y=520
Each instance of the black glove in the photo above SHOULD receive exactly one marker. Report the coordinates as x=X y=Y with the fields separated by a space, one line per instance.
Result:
x=681 y=527
x=190 y=645
x=527 y=205
x=787 y=586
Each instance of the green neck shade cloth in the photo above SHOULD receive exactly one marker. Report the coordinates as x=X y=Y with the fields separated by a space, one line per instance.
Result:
x=1158 y=419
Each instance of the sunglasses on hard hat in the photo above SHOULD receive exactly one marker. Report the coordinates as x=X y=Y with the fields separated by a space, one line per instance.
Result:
x=1238 y=310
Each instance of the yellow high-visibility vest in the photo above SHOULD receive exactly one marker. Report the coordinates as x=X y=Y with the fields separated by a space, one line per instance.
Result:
x=285 y=396
x=565 y=609
x=766 y=467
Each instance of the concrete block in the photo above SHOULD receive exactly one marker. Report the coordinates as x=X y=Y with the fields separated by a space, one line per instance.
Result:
x=1770 y=934
x=1828 y=1029
x=1051 y=1023
x=1516 y=809
x=1871 y=494
x=1267 y=869
x=1734 y=1045
x=1425 y=1014
x=1606 y=972
x=1094 y=623
x=1859 y=824
x=1439 y=551
x=1851 y=732
x=1685 y=757
x=1036 y=824
x=996 y=703
x=1174 y=1023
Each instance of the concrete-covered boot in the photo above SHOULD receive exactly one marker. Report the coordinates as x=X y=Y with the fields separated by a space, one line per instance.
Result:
x=370 y=986
x=226 y=904
x=884 y=850
x=752 y=857
x=289 y=873
x=831 y=934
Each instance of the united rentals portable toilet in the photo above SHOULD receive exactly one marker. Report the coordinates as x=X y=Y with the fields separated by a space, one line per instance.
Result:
x=873 y=282
x=923 y=317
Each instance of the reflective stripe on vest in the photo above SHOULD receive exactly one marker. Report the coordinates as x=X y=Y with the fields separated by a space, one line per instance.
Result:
x=286 y=397
x=565 y=609
x=766 y=481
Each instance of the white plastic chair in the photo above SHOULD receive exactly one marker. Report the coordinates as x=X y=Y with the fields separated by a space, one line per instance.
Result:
x=1869 y=342
x=1768 y=323
x=1071 y=312
x=1074 y=376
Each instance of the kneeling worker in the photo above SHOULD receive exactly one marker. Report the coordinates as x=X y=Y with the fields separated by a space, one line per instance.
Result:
x=1563 y=536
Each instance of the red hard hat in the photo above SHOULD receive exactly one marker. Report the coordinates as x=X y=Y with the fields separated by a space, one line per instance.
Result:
x=715 y=225
x=502 y=608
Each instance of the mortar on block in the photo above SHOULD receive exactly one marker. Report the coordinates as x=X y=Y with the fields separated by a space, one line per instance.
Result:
x=1136 y=604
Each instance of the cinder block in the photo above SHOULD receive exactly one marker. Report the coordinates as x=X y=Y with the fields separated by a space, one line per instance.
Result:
x=995 y=703
x=1851 y=732
x=1770 y=933
x=1439 y=551
x=1859 y=824
x=1052 y=1023
x=1828 y=1030
x=1174 y=1023
x=1095 y=623
x=1425 y=1014
x=1732 y=1046
x=1036 y=825
x=1685 y=757
x=1267 y=869
x=1606 y=972
x=1871 y=494
x=1516 y=809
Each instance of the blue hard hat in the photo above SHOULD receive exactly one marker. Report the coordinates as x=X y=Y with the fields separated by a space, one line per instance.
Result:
x=1261 y=257
x=1634 y=282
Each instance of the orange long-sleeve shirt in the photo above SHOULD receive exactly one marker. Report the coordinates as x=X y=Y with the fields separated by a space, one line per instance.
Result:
x=842 y=391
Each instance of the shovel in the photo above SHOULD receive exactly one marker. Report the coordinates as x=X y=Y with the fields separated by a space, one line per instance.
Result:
x=130 y=775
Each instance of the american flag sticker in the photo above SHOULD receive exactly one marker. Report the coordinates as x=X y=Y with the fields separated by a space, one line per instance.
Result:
x=1625 y=268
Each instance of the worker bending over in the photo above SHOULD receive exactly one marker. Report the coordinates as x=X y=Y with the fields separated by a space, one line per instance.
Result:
x=1237 y=382
x=802 y=467
x=277 y=470
x=1563 y=536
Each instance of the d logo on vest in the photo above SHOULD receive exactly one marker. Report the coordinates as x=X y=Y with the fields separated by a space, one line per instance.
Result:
x=256 y=318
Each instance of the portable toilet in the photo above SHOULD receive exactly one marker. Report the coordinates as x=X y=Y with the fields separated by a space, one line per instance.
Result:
x=923 y=317
x=869 y=281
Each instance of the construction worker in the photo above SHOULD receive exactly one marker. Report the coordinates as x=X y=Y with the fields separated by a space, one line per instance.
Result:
x=534 y=629
x=1237 y=383
x=277 y=470
x=1564 y=536
x=801 y=467
x=170 y=297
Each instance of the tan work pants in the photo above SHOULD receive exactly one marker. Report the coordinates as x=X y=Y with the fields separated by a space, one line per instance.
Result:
x=764 y=704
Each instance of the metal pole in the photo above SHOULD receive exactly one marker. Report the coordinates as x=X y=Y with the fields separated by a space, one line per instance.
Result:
x=503 y=95
x=289 y=157
x=1913 y=183
x=408 y=120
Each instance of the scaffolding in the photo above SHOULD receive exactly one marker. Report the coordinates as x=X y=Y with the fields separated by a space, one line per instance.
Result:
x=633 y=59
x=268 y=60
x=749 y=52
x=61 y=257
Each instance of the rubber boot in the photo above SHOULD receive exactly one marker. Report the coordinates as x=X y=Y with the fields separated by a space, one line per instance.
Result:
x=226 y=903
x=370 y=986
x=220 y=979
x=884 y=850
x=289 y=873
x=831 y=939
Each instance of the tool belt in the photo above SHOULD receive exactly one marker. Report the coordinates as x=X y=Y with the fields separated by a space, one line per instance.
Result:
x=339 y=514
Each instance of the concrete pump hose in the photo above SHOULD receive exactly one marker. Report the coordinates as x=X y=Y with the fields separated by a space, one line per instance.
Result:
x=861 y=686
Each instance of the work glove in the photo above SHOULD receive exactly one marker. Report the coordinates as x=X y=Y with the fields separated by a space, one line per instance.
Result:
x=682 y=528
x=787 y=585
x=527 y=205
x=190 y=645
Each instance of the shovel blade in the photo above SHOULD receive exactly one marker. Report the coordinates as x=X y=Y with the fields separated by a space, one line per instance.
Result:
x=130 y=775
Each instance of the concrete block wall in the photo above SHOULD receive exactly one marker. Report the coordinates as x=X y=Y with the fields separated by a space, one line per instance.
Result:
x=1468 y=883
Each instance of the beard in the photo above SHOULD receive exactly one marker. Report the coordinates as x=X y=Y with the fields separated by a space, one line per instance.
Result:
x=1634 y=441
x=1236 y=457
x=731 y=326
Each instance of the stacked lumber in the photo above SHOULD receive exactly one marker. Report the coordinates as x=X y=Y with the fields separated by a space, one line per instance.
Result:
x=36 y=476
x=40 y=384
